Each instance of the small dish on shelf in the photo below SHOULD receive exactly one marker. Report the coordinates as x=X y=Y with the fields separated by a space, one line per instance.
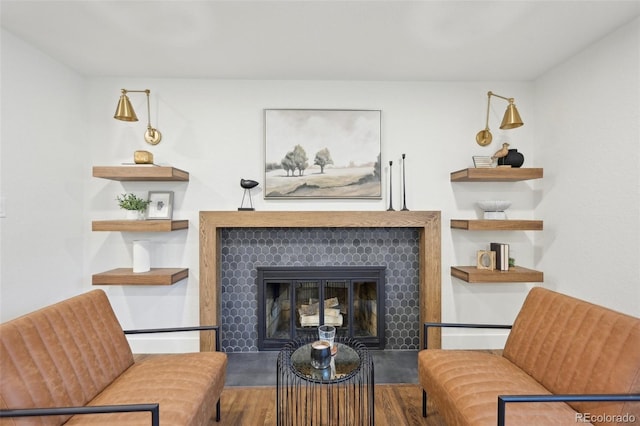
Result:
x=494 y=209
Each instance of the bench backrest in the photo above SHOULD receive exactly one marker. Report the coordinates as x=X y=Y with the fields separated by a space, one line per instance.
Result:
x=572 y=347
x=61 y=355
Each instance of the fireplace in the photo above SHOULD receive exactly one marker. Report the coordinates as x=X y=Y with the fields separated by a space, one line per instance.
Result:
x=213 y=265
x=294 y=301
x=244 y=251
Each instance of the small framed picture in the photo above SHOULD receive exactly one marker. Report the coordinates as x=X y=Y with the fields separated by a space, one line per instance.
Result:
x=160 y=205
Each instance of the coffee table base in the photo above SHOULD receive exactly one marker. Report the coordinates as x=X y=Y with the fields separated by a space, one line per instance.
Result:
x=304 y=400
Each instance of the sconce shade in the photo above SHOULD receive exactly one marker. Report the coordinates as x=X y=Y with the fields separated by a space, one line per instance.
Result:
x=124 y=111
x=511 y=118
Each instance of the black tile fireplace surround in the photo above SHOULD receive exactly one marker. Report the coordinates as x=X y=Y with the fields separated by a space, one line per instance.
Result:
x=243 y=250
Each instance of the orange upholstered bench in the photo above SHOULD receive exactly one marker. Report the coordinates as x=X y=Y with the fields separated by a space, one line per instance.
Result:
x=565 y=362
x=69 y=361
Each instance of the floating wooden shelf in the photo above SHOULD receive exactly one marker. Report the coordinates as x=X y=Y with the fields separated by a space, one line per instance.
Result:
x=516 y=274
x=139 y=225
x=126 y=276
x=497 y=174
x=140 y=173
x=496 y=225
x=471 y=274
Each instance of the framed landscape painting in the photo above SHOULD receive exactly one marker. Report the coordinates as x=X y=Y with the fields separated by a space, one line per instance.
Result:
x=321 y=153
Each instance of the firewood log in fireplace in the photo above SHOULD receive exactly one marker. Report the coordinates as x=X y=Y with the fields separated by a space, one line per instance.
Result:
x=310 y=314
x=314 y=320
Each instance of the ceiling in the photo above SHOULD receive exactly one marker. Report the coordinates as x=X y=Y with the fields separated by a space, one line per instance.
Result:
x=320 y=40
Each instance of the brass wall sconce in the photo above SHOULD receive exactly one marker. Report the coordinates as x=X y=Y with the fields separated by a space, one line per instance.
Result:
x=125 y=112
x=511 y=120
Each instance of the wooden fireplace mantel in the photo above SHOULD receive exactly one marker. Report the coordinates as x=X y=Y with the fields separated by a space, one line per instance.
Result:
x=427 y=222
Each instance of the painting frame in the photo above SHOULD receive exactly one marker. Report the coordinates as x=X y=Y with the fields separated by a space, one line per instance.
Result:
x=322 y=153
x=160 y=205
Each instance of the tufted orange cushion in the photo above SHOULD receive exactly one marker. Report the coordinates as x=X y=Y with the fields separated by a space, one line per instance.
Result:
x=181 y=383
x=465 y=386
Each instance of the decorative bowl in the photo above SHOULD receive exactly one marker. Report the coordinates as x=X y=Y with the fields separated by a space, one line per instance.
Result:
x=494 y=205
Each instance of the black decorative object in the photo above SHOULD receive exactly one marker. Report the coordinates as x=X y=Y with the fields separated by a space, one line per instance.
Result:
x=404 y=189
x=390 y=209
x=247 y=184
x=320 y=354
x=513 y=159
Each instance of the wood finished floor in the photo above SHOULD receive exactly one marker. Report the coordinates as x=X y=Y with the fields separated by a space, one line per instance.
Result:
x=395 y=405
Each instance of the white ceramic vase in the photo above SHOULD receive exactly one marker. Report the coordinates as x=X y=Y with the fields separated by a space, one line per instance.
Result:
x=141 y=256
x=135 y=215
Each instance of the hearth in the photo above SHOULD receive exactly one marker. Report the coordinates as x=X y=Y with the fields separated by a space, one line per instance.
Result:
x=294 y=301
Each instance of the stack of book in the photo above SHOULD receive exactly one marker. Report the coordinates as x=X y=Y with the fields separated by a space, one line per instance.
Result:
x=502 y=255
x=482 y=162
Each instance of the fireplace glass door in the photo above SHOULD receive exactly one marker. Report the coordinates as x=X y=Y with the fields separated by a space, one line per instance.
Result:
x=365 y=306
x=294 y=301
x=278 y=310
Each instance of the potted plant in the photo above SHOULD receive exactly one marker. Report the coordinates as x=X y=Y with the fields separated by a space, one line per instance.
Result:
x=134 y=205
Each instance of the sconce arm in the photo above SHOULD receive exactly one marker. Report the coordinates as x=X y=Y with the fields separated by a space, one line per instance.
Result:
x=125 y=91
x=489 y=95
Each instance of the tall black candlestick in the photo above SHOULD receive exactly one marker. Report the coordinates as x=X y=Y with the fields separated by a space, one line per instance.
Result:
x=404 y=188
x=390 y=209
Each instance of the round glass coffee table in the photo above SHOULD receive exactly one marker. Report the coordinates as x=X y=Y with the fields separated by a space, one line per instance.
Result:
x=341 y=394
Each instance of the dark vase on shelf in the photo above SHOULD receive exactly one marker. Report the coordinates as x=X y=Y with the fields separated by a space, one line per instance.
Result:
x=513 y=159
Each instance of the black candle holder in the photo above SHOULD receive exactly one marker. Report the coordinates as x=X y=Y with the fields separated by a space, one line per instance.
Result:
x=390 y=209
x=404 y=188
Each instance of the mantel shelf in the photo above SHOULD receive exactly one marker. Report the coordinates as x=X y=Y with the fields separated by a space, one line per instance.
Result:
x=496 y=174
x=318 y=219
x=139 y=225
x=515 y=274
x=126 y=276
x=496 y=225
x=140 y=173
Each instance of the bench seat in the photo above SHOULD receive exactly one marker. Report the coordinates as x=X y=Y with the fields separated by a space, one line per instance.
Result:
x=465 y=384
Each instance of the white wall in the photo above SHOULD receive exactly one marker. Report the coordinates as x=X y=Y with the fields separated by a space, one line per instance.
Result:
x=214 y=130
x=44 y=165
x=590 y=147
